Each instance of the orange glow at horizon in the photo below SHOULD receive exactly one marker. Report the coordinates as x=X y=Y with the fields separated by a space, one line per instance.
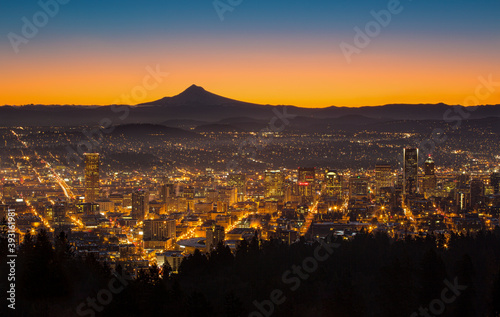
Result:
x=304 y=78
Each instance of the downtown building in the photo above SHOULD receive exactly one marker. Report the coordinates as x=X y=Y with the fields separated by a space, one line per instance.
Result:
x=91 y=177
x=333 y=184
x=274 y=184
x=429 y=180
x=159 y=229
x=358 y=187
x=383 y=177
x=238 y=181
x=306 y=184
x=140 y=204
x=214 y=235
x=410 y=171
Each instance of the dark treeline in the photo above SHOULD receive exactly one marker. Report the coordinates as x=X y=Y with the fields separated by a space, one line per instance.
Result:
x=372 y=275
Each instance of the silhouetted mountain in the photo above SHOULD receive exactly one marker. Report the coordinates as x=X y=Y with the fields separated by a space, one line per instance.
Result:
x=195 y=95
x=197 y=104
x=485 y=125
x=438 y=111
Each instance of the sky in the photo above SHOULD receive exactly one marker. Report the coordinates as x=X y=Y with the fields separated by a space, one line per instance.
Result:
x=294 y=52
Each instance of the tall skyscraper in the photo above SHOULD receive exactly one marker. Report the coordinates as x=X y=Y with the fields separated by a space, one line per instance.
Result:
x=333 y=182
x=307 y=182
x=429 y=166
x=383 y=176
x=91 y=177
x=140 y=204
x=273 y=184
x=410 y=171
x=239 y=181
x=429 y=180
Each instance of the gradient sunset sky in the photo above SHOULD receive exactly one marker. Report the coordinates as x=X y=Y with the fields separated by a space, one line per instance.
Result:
x=271 y=52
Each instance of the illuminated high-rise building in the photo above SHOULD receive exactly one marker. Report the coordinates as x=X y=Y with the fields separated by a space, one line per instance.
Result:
x=239 y=181
x=429 y=180
x=140 y=204
x=91 y=177
x=273 y=184
x=383 y=176
x=429 y=166
x=410 y=171
x=358 y=187
x=462 y=197
x=333 y=184
x=306 y=183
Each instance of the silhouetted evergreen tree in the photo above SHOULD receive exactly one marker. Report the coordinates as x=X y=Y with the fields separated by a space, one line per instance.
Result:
x=221 y=257
x=199 y=306
x=195 y=264
x=370 y=275
x=495 y=296
x=466 y=301
x=432 y=276
x=233 y=307
x=166 y=269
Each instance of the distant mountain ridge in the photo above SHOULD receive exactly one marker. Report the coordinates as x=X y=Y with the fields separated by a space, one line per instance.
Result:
x=197 y=106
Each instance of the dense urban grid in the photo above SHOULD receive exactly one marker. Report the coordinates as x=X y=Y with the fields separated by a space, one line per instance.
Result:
x=150 y=202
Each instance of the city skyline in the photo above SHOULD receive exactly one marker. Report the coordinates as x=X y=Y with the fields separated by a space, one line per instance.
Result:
x=250 y=158
x=159 y=210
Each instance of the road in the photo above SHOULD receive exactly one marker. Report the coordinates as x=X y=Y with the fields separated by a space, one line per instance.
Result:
x=58 y=179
